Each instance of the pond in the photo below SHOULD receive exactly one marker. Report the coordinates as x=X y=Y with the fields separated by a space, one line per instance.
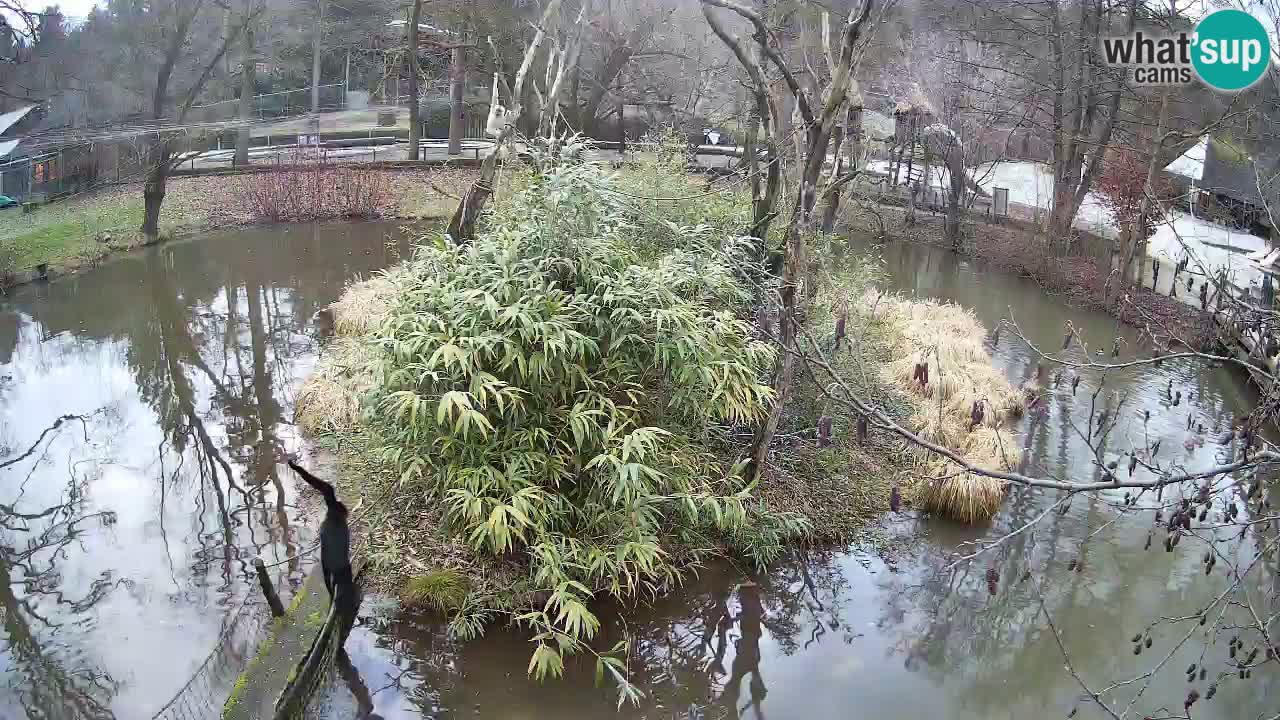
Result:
x=128 y=533
x=849 y=633
x=128 y=536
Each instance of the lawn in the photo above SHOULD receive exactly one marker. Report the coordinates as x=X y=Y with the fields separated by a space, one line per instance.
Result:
x=66 y=233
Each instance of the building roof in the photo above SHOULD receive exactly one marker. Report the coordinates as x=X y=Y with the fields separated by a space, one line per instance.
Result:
x=1233 y=172
x=9 y=119
x=1190 y=164
x=7 y=146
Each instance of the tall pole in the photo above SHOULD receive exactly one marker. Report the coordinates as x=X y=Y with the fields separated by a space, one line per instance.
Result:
x=346 y=79
x=457 y=78
x=315 y=60
x=415 y=127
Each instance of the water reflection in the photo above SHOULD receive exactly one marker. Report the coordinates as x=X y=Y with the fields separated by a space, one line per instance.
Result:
x=835 y=634
x=128 y=543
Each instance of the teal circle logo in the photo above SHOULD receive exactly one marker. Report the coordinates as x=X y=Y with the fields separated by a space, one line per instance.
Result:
x=1232 y=50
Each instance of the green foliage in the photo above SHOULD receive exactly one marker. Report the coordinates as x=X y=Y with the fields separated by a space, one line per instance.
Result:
x=670 y=209
x=440 y=590
x=550 y=390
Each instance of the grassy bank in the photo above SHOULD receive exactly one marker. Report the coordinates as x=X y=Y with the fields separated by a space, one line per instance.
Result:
x=84 y=230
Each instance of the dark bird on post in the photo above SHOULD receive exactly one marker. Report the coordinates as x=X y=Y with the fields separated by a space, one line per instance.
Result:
x=895 y=499
x=840 y=330
x=824 y=431
x=863 y=431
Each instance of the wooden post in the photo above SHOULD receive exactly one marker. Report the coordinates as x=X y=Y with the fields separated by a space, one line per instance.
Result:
x=277 y=610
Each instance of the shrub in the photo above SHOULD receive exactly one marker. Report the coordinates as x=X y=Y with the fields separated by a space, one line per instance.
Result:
x=669 y=209
x=1123 y=184
x=314 y=192
x=552 y=392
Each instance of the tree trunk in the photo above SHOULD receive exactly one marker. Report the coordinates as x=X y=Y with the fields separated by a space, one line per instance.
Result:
x=462 y=226
x=315 y=57
x=575 y=86
x=784 y=366
x=457 y=78
x=153 y=190
x=852 y=134
x=955 y=195
x=1136 y=247
x=818 y=139
x=415 y=124
x=831 y=203
x=248 y=77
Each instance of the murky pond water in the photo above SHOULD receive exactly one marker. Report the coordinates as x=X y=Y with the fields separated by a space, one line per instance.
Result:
x=127 y=534
x=842 y=633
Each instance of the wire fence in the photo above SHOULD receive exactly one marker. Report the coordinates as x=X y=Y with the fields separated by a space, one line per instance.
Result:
x=205 y=694
x=276 y=105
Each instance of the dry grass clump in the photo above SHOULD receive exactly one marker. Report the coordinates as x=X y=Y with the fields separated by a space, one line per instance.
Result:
x=363 y=306
x=965 y=497
x=949 y=339
x=330 y=399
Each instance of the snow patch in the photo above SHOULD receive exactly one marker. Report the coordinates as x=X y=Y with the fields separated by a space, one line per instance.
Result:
x=1211 y=248
x=1190 y=164
x=7 y=120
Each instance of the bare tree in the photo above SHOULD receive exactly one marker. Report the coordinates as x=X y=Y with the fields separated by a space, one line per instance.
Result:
x=462 y=226
x=173 y=24
x=819 y=112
